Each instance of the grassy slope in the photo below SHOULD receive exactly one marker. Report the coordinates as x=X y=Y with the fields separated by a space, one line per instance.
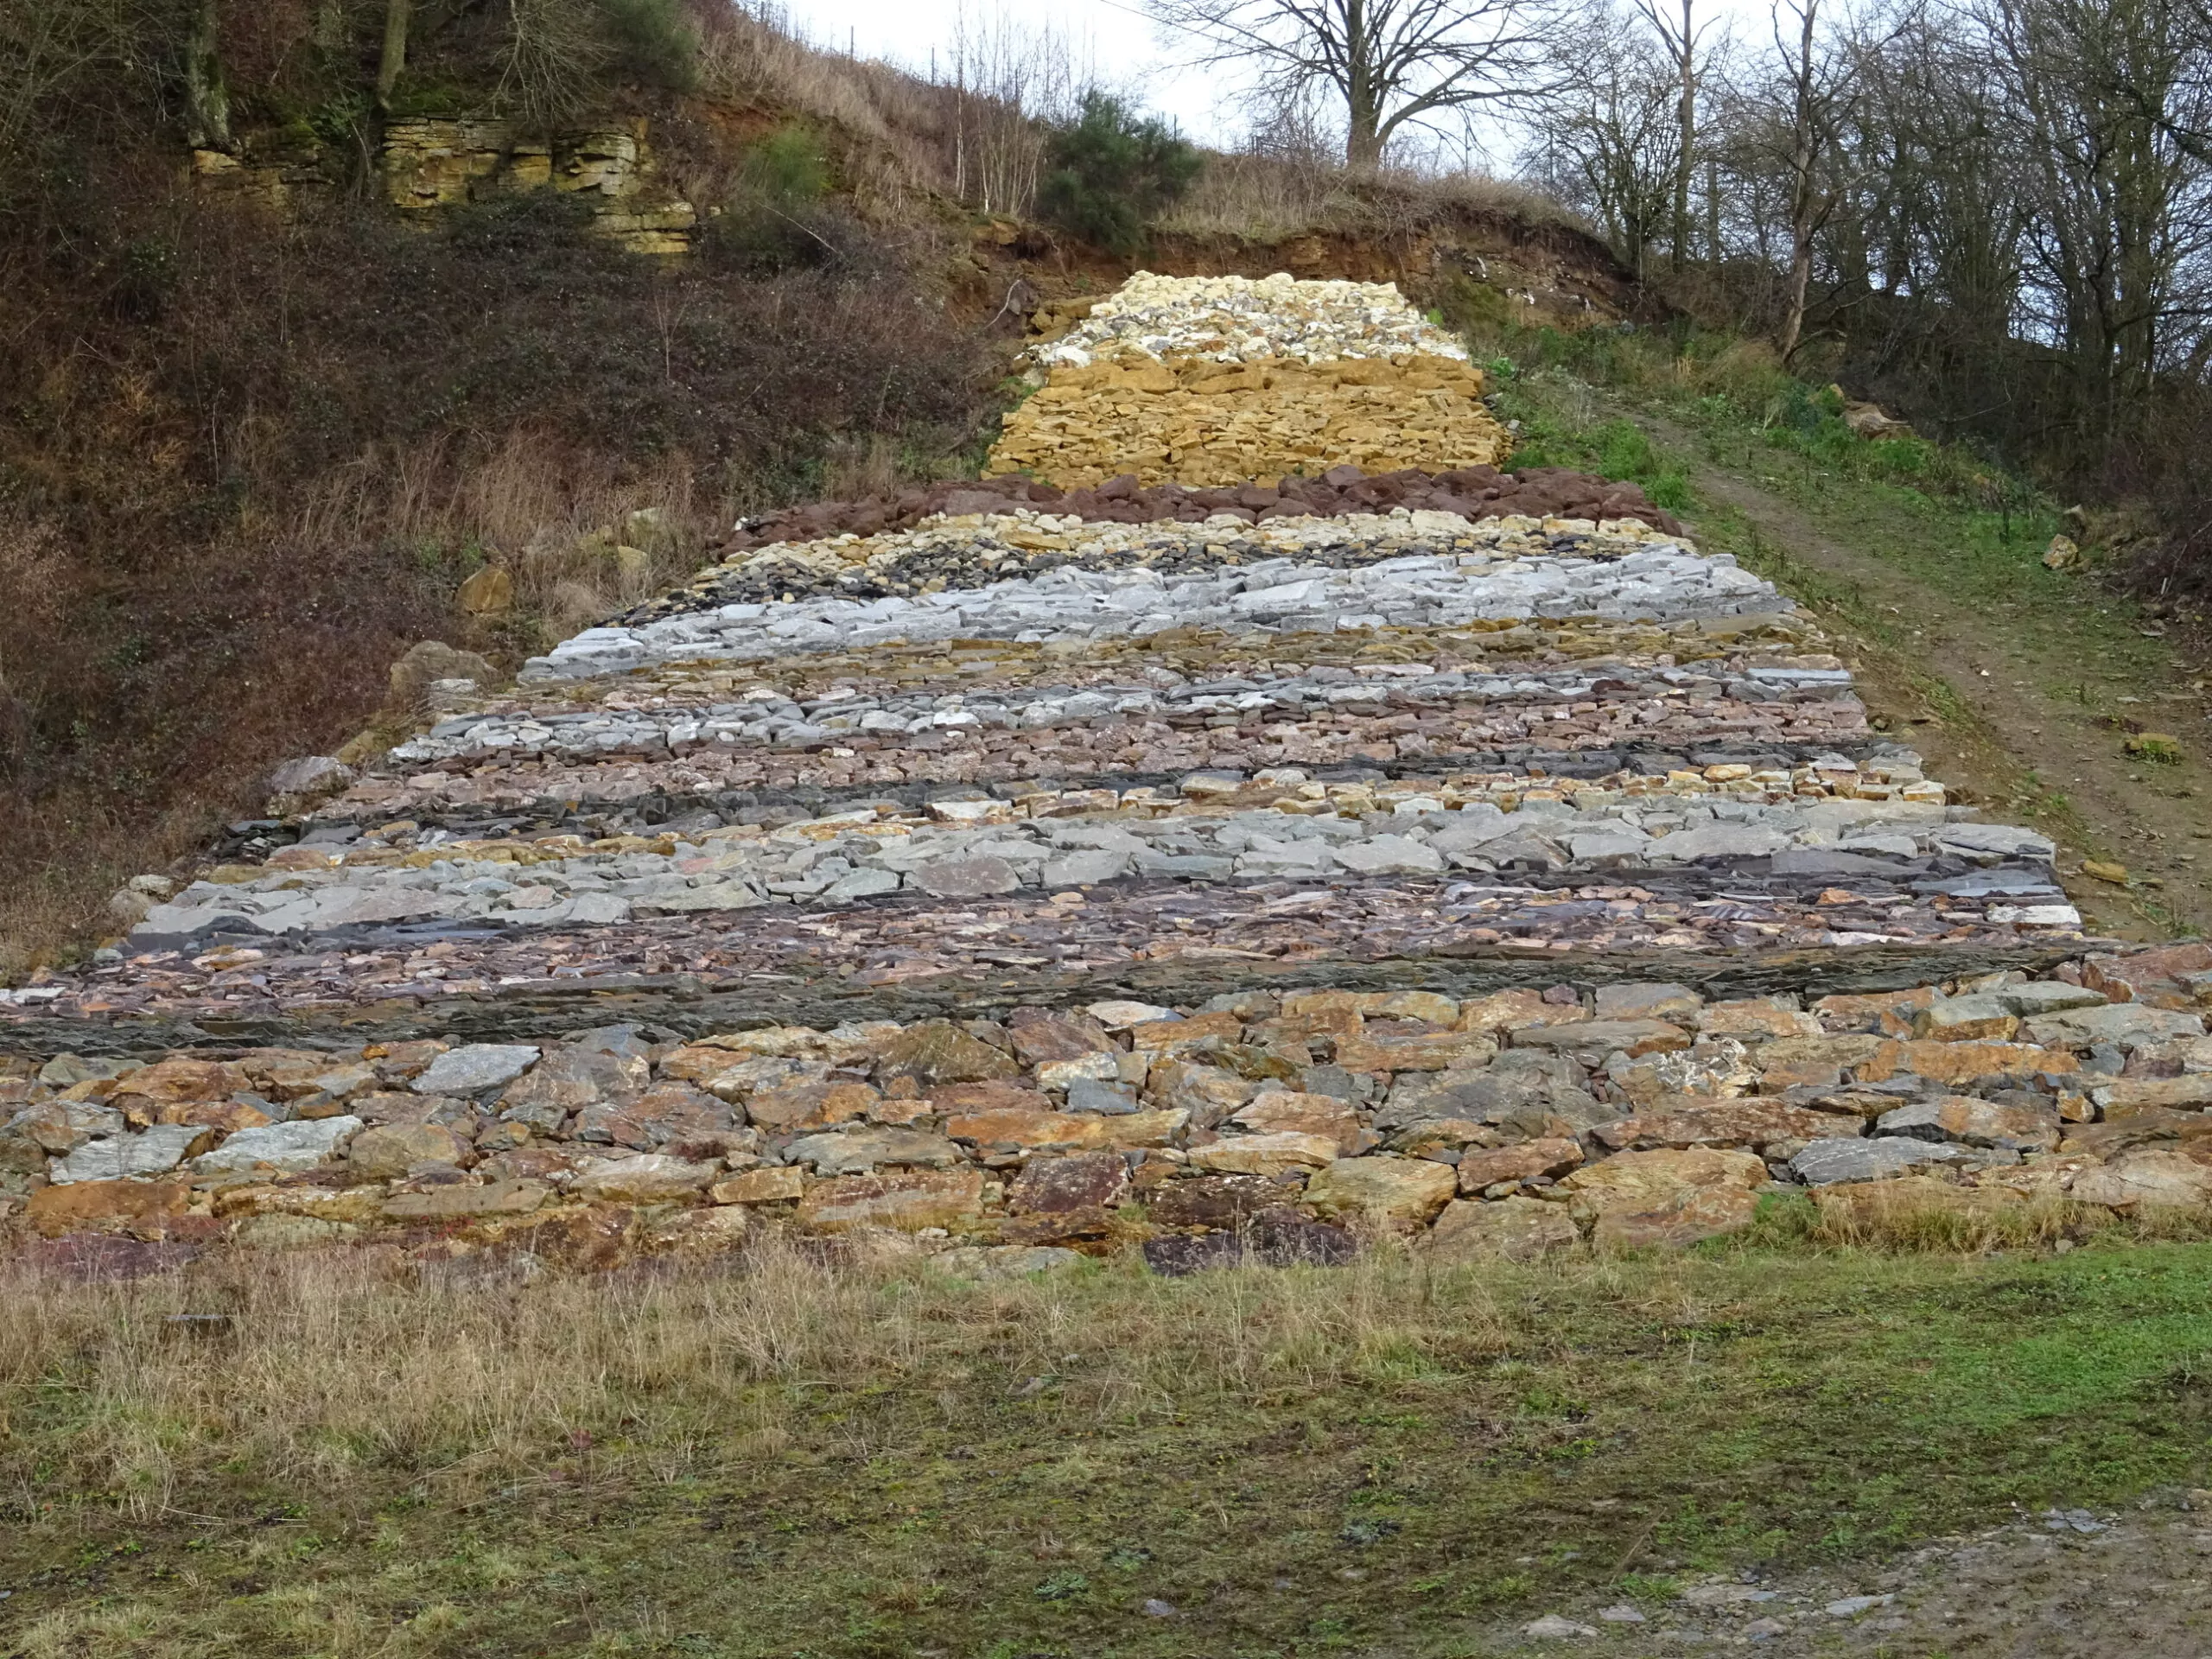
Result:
x=883 y=1461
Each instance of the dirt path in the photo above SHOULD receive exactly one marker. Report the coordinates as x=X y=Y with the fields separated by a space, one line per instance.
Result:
x=2086 y=1586
x=1989 y=706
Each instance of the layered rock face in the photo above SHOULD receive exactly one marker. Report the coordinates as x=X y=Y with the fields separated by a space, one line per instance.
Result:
x=1233 y=873
x=1220 y=380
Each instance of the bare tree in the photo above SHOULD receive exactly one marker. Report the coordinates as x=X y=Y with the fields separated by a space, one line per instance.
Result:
x=53 y=52
x=1790 y=120
x=2106 y=98
x=1683 y=35
x=1392 y=63
x=1608 y=142
x=206 y=98
x=552 y=65
x=1008 y=83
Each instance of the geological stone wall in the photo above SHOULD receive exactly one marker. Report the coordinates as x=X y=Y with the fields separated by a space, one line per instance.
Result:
x=431 y=162
x=1223 y=380
x=1227 y=868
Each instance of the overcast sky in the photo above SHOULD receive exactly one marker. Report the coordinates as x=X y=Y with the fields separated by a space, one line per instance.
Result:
x=1115 y=36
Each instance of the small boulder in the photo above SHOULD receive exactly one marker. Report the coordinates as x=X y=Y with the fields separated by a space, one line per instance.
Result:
x=426 y=664
x=153 y=1152
x=2021 y=1126
x=1062 y=1185
x=780 y=1184
x=1401 y=1194
x=857 y=1152
x=1826 y=1163
x=140 y=1208
x=938 y=1052
x=486 y=591
x=1515 y=1229
x=388 y=1153
x=2149 y=1179
x=299 y=1145
x=1268 y=1155
x=648 y=1177
x=907 y=1201
x=474 y=1068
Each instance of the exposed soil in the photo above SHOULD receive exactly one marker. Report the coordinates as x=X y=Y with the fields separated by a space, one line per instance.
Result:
x=2087 y=1585
x=2003 y=719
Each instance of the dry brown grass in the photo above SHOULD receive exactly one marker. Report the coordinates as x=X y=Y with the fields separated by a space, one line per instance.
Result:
x=326 y=1363
x=583 y=532
x=1266 y=199
x=462 y=1379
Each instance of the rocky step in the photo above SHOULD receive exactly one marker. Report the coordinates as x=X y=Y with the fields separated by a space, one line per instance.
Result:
x=1658 y=581
x=1518 y=1123
x=1538 y=494
x=1791 y=736
x=971 y=550
x=1176 y=656
x=624 y=797
x=321 y=886
x=1232 y=319
x=1011 y=940
x=1649 y=694
x=1193 y=420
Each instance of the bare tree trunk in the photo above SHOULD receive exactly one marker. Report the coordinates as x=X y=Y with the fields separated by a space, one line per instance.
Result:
x=1803 y=155
x=207 y=101
x=394 y=60
x=1686 y=120
x=1712 y=215
x=1801 y=276
x=1362 y=99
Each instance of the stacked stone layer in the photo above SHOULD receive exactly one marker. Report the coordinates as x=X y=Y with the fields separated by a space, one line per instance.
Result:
x=1198 y=422
x=1223 y=380
x=1342 y=857
x=1537 y=493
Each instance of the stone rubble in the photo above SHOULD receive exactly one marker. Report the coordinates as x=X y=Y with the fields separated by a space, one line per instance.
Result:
x=1243 y=319
x=1239 y=875
x=975 y=550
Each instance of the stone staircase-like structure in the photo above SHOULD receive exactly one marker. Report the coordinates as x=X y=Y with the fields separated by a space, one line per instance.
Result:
x=1246 y=825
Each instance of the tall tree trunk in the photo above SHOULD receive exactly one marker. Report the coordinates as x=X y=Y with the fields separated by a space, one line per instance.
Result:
x=1804 y=155
x=207 y=101
x=1686 y=121
x=1712 y=215
x=1363 y=98
x=1801 y=278
x=394 y=59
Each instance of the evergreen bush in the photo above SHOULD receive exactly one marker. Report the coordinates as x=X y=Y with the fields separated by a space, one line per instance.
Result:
x=1110 y=173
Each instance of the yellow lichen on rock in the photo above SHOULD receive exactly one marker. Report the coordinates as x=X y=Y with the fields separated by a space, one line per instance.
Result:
x=1200 y=421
